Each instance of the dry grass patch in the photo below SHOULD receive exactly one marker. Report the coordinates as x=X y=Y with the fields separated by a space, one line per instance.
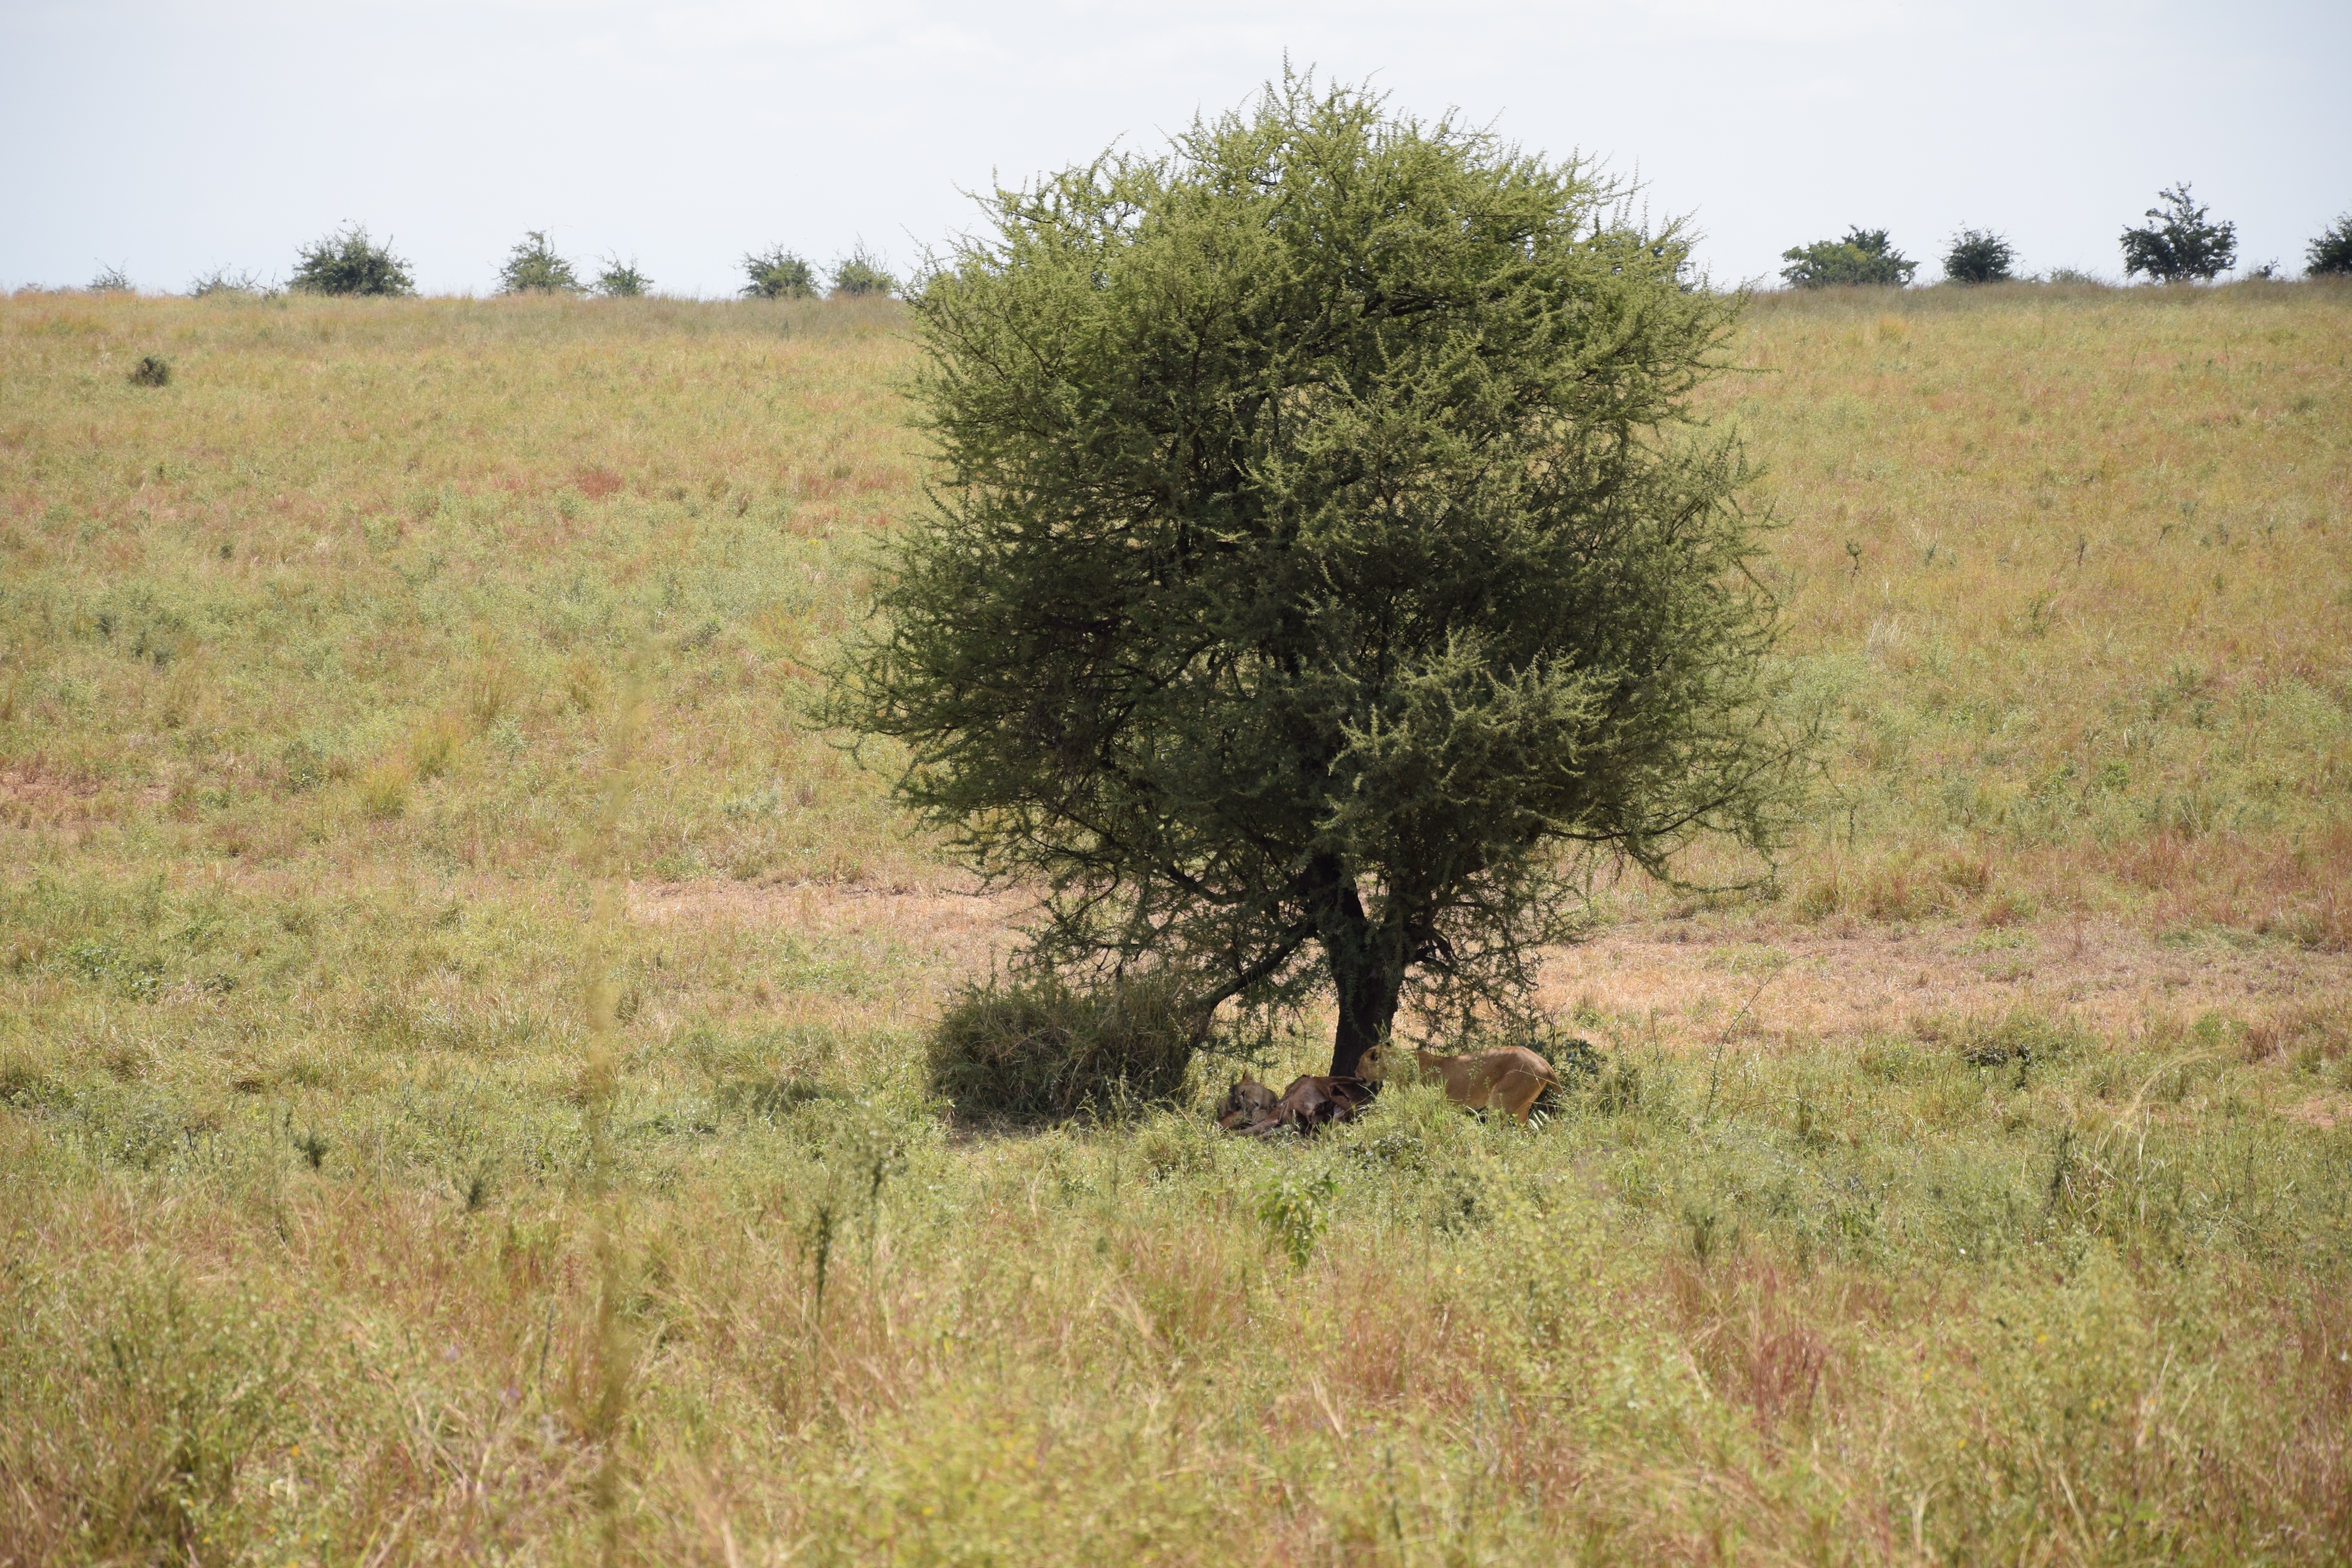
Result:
x=400 y=717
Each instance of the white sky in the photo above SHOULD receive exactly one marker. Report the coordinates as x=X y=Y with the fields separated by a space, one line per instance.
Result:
x=170 y=138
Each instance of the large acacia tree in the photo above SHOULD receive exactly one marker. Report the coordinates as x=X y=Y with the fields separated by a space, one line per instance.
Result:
x=1322 y=571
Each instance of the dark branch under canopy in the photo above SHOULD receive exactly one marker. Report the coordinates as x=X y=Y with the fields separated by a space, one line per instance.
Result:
x=1321 y=567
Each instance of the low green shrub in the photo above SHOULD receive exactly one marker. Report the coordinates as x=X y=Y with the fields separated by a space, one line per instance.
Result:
x=221 y=280
x=778 y=274
x=1863 y=257
x=2182 y=242
x=2330 y=256
x=861 y=273
x=153 y=370
x=348 y=262
x=1041 y=1048
x=621 y=281
x=1980 y=256
x=533 y=266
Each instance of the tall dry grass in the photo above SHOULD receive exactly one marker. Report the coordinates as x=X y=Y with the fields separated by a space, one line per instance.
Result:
x=460 y=1033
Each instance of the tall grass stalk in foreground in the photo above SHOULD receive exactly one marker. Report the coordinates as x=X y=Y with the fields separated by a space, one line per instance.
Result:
x=601 y=1065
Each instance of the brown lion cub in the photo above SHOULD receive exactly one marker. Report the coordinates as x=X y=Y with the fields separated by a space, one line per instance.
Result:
x=1510 y=1077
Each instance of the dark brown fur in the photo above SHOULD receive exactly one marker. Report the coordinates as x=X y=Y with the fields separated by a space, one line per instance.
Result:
x=1309 y=1103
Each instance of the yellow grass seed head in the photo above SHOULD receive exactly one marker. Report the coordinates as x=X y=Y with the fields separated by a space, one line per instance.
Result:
x=383 y=790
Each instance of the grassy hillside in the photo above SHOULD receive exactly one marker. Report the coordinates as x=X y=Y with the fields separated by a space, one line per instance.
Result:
x=459 y=1026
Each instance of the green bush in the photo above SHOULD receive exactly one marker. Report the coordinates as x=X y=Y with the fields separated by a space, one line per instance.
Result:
x=221 y=280
x=2024 y=1036
x=348 y=262
x=1979 y=255
x=153 y=370
x=621 y=281
x=779 y=274
x=2330 y=255
x=861 y=273
x=1863 y=257
x=112 y=281
x=2181 y=242
x=1043 y=1049
x=533 y=268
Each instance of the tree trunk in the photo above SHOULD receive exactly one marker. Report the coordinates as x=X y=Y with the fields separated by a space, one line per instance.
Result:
x=1367 y=973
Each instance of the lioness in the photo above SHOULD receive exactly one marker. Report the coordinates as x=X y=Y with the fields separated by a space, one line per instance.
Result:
x=1510 y=1077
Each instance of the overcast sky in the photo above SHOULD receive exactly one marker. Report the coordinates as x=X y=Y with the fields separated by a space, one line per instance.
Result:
x=171 y=139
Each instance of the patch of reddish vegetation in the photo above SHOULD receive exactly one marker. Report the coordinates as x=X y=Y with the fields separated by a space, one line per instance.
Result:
x=2292 y=889
x=597 y=483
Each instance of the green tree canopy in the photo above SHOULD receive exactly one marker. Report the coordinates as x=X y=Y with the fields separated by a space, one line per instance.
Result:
x=348 y=262
x=1323 y=566
x=861 y=274
x=2330 y=255
x=2181 y=241
x=623 y=280
x=533 y=266
x=778 y=274
x=1979 y=255
x=1863 y=257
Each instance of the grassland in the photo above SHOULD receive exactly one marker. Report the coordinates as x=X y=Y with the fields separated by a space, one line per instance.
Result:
x=459 y=1027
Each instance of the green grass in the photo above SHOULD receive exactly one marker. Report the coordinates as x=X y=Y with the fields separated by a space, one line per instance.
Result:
x=462 y=1035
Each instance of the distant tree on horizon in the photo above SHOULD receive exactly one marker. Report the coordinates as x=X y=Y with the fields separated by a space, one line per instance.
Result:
x=223 y=280
x=2181 y=242
x=2330 y=255
x=861 y=273
x=1864 y=257
x=112 y=281
x=779 y=274
x=533 y=266
x=621 y=281
x=348 y=262
x=1980 y=256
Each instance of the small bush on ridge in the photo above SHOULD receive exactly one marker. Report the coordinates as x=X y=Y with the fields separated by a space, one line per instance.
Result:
x=2330 y=255
x=1863 y=257
x=778 y=274
x=621 y=281
x=861 y=273
x=348 y=262
x=221 y=280
x=153 y=370
x=1040 y=1048
x=2182 y=241
x=533 y=268
x=112 y=281
x=1979 y=255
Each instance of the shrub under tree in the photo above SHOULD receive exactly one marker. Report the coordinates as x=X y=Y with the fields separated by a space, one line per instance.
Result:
x=1980 y=256
x=348 y=262
x=778 y=274
x=1323 y=572
x=2181 y=241
x=1863 y=257
x=533 y=266
x=2330 y=256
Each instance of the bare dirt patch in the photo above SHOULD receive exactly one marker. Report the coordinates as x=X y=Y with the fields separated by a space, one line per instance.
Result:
x=950 y=920
x=31 y=797
x=1686 y=980
x=2320 y=1111
x=1862 y=980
